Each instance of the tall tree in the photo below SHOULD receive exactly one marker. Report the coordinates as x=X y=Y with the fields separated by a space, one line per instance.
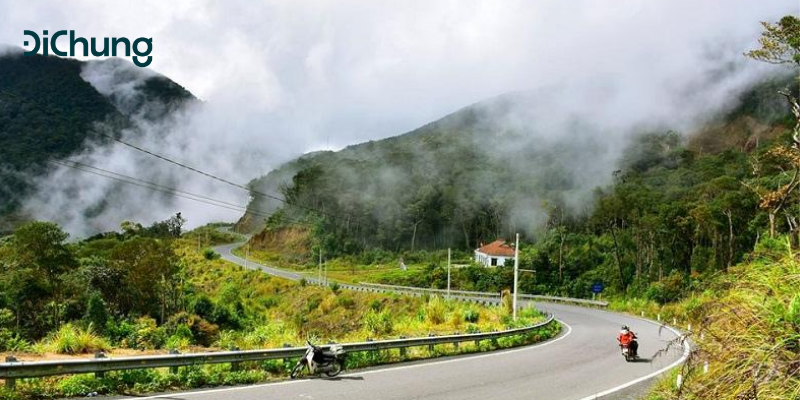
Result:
x=41 y=246
x=780 y=44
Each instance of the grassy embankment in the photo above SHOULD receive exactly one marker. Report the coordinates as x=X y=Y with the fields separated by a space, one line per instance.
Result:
x=745 y=327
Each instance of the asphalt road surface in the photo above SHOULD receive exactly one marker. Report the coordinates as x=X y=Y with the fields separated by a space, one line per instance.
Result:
x=582 y=362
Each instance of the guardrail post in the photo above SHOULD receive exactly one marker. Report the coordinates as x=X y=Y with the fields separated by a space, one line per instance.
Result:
x=173 y=370
x=430 y=346
x=455 y=344
x=98 y=355
x=494 y=340
x=285 y=346
x=11 y=382
x=402 y=349
x=235 y=366
x=477 y=341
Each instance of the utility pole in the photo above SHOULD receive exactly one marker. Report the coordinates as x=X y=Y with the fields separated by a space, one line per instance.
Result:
x=448 y=273
x=319 y=268
x=516 y=276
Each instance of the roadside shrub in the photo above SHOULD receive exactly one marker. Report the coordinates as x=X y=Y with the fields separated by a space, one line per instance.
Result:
x=335 y=287
x=227 y=340
x=530 y=313
x=435 y=310
x=81 y=385
x=471 y=315
x=346 y=302
x=6 y=318
x=11 y=341
x=378 y=323
x=147 y=335
x=210 y=254
x=180 y=338
x=204 y=332
x=506 y=302
x=669 y=289
x=70 y=339
x=96 y=312
x=203 y=306
x=270 y=301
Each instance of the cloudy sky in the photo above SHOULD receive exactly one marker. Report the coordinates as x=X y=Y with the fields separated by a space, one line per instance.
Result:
x=345 y=71
x=285 y=77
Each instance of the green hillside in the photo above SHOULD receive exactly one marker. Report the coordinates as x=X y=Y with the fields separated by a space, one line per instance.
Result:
x=473 y=176
x=48 y=111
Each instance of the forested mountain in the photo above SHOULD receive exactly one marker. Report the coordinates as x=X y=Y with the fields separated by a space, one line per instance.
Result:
x=52 y=107
x=488 y=171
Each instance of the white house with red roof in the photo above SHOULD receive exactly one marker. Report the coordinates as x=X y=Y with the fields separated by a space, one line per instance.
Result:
x=495 y=254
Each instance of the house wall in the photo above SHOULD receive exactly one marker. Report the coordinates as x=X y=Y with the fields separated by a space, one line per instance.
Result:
x=486 y=260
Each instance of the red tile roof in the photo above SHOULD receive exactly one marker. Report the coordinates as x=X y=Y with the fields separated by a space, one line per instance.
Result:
x=498 y=248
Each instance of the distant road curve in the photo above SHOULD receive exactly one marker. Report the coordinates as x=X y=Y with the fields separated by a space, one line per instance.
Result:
x=578 y=365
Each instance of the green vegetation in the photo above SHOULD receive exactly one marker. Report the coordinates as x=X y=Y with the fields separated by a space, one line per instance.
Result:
x=151 y=289
x=746 y=325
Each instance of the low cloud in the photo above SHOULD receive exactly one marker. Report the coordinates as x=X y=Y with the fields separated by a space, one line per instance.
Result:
x=282 y=78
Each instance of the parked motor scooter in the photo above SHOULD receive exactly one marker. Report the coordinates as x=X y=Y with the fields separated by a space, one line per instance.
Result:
x=318 y=360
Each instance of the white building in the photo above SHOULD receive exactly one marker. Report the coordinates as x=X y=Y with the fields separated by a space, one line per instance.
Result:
x=495 y=254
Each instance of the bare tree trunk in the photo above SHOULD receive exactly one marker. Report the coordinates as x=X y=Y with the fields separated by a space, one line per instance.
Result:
x=618 y=256
x=414 y=235
x=561 y=258
x=772 y=224
x=729 y=214
x=652 y=256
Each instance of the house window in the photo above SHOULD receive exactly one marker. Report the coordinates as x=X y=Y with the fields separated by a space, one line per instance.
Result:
x=494 y=262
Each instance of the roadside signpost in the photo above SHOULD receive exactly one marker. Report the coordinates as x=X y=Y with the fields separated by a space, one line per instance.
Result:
x=597 y=288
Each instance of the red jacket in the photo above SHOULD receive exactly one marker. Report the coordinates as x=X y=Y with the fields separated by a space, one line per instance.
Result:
x=626 y=338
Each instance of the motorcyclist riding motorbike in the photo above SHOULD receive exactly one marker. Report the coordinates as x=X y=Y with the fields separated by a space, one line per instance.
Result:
x=628 y=340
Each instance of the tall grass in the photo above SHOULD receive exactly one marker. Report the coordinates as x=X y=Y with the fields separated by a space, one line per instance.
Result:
x=748 y=332
x=72 y=339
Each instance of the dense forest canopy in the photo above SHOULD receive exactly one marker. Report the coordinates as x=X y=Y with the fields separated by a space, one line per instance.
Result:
x=49 y=111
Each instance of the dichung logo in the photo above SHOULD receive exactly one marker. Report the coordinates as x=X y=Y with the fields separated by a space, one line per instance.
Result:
x=108 y=47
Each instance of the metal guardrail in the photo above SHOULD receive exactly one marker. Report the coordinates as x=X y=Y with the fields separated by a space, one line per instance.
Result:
x=9 y=371
x=568 y=300
x=471 y=295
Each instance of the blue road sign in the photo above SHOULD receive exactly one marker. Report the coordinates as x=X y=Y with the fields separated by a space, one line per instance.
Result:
x=597 y=288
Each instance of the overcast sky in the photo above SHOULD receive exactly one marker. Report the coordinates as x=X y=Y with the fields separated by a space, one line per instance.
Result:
x=281 y=78
x=347 y=71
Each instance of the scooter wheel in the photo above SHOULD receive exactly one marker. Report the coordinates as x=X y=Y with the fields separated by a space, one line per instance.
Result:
x=337 y=369
x=296 y=370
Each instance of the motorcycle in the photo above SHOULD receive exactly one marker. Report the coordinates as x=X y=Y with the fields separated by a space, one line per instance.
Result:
x=318 y=360
x=628 y=352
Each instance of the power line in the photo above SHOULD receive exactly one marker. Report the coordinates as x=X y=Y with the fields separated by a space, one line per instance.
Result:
x=160 y=188
x=180 y=164
x=164 y=189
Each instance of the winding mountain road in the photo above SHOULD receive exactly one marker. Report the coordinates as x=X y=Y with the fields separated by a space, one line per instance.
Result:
x=580 y=364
